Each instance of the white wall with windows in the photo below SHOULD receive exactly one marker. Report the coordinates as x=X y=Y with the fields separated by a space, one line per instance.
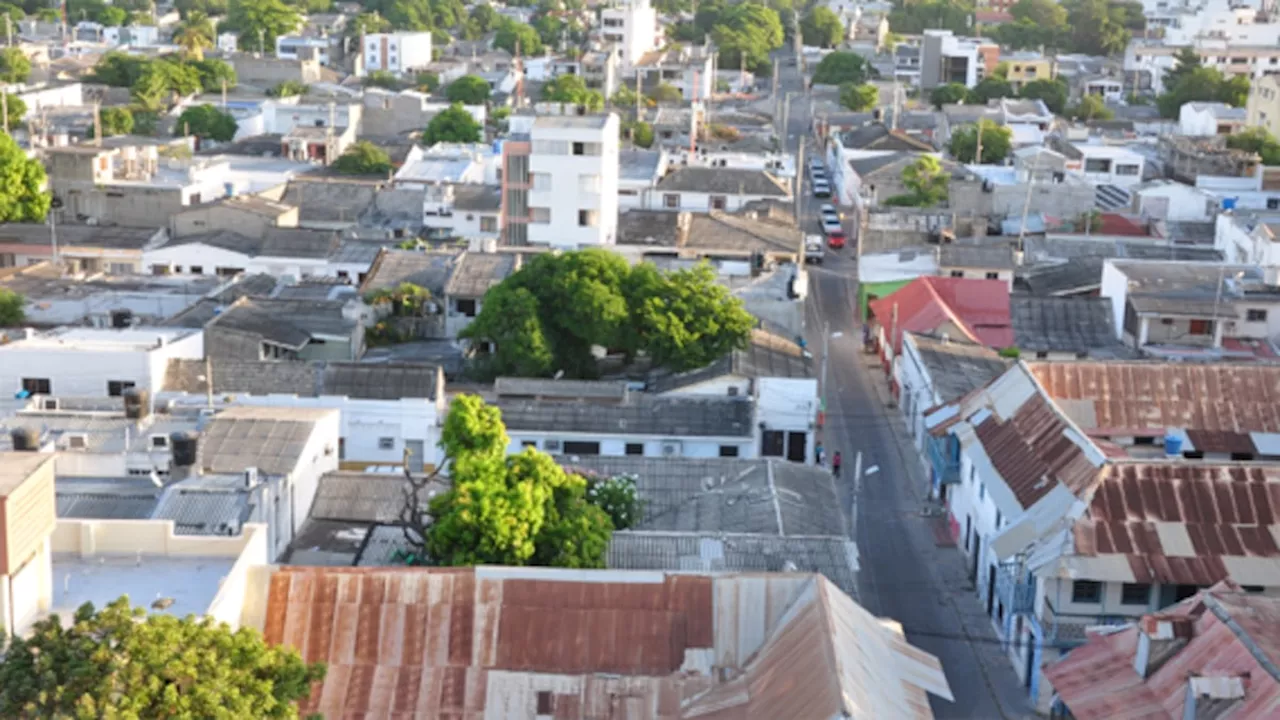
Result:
x=573 y=174
x=92 y=362
x=563 y=443
x=396 y=52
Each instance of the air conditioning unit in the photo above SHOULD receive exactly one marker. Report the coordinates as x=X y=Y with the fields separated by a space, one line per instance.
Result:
x=551 y=446
x=77 y=442
x=51 y=403
x=672 y=448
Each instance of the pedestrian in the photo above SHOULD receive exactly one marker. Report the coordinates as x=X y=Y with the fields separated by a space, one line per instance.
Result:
x=819 y=454
x=835 y=464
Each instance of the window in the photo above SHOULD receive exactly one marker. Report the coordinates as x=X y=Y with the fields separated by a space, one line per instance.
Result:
x=728 y=451
x=1126 y=169
x=386 y=443
x=1255 y=589
x=719 y=202
x=588 y=183
x=982 y=491
x=999 y=519
x=77 y=442
x=1255 y=315
x=772 y=443
x=957 y=273
x=587 y=218
x=540 y=215
x=635 y=448
x=197 y=269
x=1273 y=203
x=489 y=224
x=671 y=200
x=465 y=306
x=581 y=447
x=973 y=474
x=550 y=147
x=37 y=386
x=993 y=276
x=529 y=443
x=159 y=269
x=1199 y=327
x=116 y=388
x=541 y=181
x=579 y=148
x=1135 y=594
x=546 y=702
x=1098 y=165
x=1086 y=591
x=159 y=442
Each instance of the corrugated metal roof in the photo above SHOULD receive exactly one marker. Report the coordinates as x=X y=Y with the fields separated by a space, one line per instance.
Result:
x=978 y=308
x=1233 y=635
x=1132 y=396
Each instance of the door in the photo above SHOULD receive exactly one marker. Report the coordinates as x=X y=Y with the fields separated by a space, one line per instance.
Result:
x=991 y=589
x=977 y=555
x=797 y=443
x=416 y=452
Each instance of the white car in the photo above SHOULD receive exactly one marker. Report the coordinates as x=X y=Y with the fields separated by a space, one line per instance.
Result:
x=813 y=251
x=821 y=189
x=829 y=211
x=816 y=166
x=831 y=225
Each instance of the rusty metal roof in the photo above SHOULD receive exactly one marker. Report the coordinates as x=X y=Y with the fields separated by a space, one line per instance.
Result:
x=1233 y=635
x=1184 y=523
x=1136 y=396
x=472 y=643
x=1033 y=452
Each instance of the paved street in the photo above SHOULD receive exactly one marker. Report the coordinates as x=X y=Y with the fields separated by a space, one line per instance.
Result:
x=904 y=575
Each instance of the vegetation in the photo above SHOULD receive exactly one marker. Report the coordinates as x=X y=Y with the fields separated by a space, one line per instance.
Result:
x=512 y=36
x=121 y=662
x=12 y=308
x=14 y=66
x=23 y=197
x=468 y=90
x=207 y=123
x=821 y=27
x=617 y=497
x=156 y=83
x=990 y=88
x=1089 y=108
x=1052 y=92
x=454 y=124
x=948 y=94
x=926 y=183
x=429 y=82
x=625 y=99
x=384 y=79
x=519 y=510
x=115 y=121
x=363 y=158
x=859 y=97
x=841 y=68
x=404 y=300
x=288 y=88
x=913 y=18
x=260 y=22
x=1189 y=81
x=1256 y=140
x=572 y=89
x=997 y=142
x=665 y=93
x=547 y=317
x=17 y=108
x=194 y=34
x=746 y=33
x=641 y=133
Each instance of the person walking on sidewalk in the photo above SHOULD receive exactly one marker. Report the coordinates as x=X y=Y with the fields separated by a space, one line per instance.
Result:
x=835 y=464
x=819 y=455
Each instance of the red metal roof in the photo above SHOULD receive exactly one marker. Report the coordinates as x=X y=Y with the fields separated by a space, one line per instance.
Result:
x=1225 y=510
x=1098 y=680
x=1032 y=453
x=1134 y=397
x=977 y=308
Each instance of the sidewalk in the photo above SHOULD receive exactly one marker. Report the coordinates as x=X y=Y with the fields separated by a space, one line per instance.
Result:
x=950 y=576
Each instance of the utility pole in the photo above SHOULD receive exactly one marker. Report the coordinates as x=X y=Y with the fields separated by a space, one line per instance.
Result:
x=796 y=191
x=639 y=97
x=97 y=124
x=208 y=381
x=785 y=135
x=224 y=93
x=8 y=30
x=977 y=156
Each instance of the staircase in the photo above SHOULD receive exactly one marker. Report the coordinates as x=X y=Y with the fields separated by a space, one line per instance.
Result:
x=1109 y=198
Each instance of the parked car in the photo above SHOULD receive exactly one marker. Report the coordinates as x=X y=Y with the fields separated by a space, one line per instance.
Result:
x=821 y=189
x=830 y=225
x=813 y=251
x=829 y=210
x=836 y=240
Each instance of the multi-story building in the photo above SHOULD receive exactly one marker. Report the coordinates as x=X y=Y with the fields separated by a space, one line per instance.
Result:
x=1263 y=109
x=632 y=26
x=396 y=52
x=1026 y=67
x=1254 y=59
x=945 y=59
x=560 y=184
x=295 y=47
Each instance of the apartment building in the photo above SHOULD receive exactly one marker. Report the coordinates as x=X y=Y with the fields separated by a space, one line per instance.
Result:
x=560 y=185
x=396 y=52
x=1027 y=67
x=1263 y=109
x=632 y=26
x=946 y=59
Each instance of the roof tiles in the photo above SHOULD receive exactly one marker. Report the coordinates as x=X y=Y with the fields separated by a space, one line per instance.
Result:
x=977 y=308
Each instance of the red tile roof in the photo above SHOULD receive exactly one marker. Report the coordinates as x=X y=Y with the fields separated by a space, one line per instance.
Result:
x=1210 y=513
x=977 y=308
x=1098 y=680
x=1127 y=398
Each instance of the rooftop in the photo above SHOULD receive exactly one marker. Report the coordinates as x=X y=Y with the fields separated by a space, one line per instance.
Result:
x=876 y=136
x=277 y=242
x=640 y=415
x=474 y=273
x=191 y=581
x=561 y=122
x=16 y=467
x=979 y=309
x=767 y=355
x=729 y=181
x=291 y=323
x=271 y=439
x=639 y=165
x=1193 y=288
x=957 y=368
x=135 y=339
x=1064 y=324
x=381 y=381
x=429 y=270
x=94 y=236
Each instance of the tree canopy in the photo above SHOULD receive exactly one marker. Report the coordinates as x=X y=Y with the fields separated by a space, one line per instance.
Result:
x=1201 y=84
x=23 y=197
x=195 y=34
x=641 y=133
x=1052 y=92
x=926 y=183
x=363 y=158
x=115 y=121
x=12 y=309
x=1256 y=140
x=511 y=33
x=519 y=510
x=997 y=142
x=288 y=88
x=913 y=18
x=14 y=66
x=991 y=88
x=1089 y=108
x=572 y=89
x=468 y=90
x=838 y=68
x=155 y=82
x=121 y=662
x=17 y=108
x=547 y=316
x=859 y=97
x=746 y=33
x=207 y=123
x=665 y=93
x=821 y=27
x=948 y=94
x=454 y=124
x=260 y=22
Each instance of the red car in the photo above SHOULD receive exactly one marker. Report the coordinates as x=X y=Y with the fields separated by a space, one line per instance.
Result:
x=835 y=240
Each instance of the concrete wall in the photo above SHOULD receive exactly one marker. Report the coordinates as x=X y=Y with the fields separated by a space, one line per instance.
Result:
x=617 y=444
x=1065 y=199
x=269 y=72
x=84 y=371
x=129 y=205
x=211 y=218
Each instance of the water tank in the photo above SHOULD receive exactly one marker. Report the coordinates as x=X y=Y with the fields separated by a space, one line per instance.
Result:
x=230 y=189
x=184 y=446
x=25 y=439
x=1172 y=445
x=1229 y=203
x=121 y=319
x=137 y=403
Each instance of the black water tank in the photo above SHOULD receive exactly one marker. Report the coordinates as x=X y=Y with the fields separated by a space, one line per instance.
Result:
x=137 y=403
x=184 y=446
x=121 y=318
x=25 y=439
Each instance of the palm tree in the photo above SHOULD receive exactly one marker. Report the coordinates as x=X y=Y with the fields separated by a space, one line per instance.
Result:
x=195 y=34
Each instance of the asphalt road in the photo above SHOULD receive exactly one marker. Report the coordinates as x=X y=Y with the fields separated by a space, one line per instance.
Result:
x=903 y=574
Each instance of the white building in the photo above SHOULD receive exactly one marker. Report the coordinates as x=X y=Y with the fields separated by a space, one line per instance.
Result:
x=946 y=59
x=573 y=181
x=632 y=26
x=1107 y=164
x=449 y=163
x=1206 y=119
x=396 y=52
x=94 y=362
x=470 y=212
x=294 y=47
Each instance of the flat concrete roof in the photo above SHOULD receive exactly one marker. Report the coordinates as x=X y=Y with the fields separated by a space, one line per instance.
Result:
x=192 y=582
x=16 y=467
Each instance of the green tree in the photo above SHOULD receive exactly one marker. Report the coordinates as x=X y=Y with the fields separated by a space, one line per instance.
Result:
x=367 y=23
x=575 y=532
x=12 y=308
x=1201 y=84
x=15 y=13
x=112 y=16
x=212 y=8
x=121 y=662
x=260 y=22
x=948 y=94
x=684 y=319
x=524 y=349
x=1093 y=30
x=212 y=72
x=194 y=35
x=926 y=181
x=1256 y=140
x=453 y=124
x=1234 y=90
x=384 y=79
x=913 y=18
x=119 y=69
x=115 y=121
x=1089 y=108
x=17 y=110
x=839 y=68
x=859 y=97
x=821 y=27
x=511 y=33
x=1185 y=61
x=1044 y=13
x=288 y=88
x=468 y=90
x=207 y=123
x=641 y=133
x=23 y=197
x=473 y=429
x=427 y=82
x=573 y=90
x=746 y=33
x=625 y=99
x=14 y=66
x=665 y=94
x=991 y=88
x=485 y=17
x=618 y=497
x=363 y=158
x=997 y=142
x=1052 y=92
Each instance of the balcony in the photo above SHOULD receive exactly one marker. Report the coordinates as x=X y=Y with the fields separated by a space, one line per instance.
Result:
x=1069 y=629
x=944 y=456
x=1016 y=591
